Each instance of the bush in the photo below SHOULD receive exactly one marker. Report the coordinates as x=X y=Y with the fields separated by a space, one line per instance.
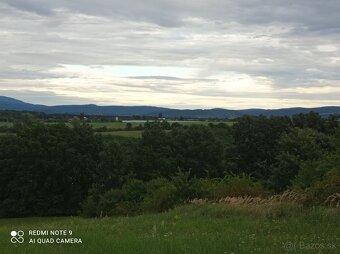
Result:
x=161 y=195
x=124 y=201
x=238 y=186
x=232 y=186
x=313 y=171
x=321 y=190
x=204 y=188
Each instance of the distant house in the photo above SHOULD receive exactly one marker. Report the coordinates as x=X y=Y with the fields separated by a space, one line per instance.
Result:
x=161 y=119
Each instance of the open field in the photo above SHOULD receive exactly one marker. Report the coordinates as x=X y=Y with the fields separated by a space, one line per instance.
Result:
x=114 y=128
x=128 y=134
x=113 y=125
x=121 y=125
x=7 y=124
x=209 y=228
x=4 y=134
x=202 y=122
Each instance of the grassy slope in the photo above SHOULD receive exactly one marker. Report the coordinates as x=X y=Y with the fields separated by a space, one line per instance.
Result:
x=188 y=229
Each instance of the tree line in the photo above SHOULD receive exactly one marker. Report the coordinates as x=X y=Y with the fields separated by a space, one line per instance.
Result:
x=61 y=170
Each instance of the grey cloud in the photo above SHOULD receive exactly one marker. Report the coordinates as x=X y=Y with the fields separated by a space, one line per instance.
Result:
x=168 y=78
x=156 y=77
x=274 y=39
x=34 y=6
x=313 y=14
x=152 y=11
x=264 y=95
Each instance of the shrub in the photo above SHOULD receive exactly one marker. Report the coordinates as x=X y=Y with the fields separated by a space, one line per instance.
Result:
x=161 y=195
x=320 y=191
x=232 y=186
x=124 y=201
x=313 y=171
x=239 y=186
x=204 y=188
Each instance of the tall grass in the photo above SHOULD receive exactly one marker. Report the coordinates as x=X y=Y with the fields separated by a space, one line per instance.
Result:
x=193 y=228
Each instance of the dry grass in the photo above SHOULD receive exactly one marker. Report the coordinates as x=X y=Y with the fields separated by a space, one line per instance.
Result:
x=287 y=204
x=290 y=196
x=333 y=200
x=285 y=197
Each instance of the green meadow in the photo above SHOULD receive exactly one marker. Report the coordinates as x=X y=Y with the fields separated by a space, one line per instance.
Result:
x=115 y=128
x=113 y=125
x=120 y=125
x=128 y=134
x=207 y=228
x=6 y=124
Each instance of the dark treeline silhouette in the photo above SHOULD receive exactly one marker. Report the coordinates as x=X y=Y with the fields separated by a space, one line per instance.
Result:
x=60 y=170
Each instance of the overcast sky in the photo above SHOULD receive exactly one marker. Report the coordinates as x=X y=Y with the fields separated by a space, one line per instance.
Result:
x=172 y=53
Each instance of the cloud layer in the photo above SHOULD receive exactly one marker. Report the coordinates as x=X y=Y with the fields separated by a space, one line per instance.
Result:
x=182 y=54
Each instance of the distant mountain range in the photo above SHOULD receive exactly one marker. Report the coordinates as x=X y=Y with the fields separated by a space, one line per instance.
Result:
x=7 y=103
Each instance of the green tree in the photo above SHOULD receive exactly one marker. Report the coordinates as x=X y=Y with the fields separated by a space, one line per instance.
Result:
x=296 y=148
x=256 y=144
x=46 y=169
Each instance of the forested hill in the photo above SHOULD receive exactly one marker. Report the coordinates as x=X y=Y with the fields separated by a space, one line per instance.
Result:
x=7 y=103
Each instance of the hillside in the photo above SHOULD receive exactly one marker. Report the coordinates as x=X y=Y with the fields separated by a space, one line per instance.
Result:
x=7 y=103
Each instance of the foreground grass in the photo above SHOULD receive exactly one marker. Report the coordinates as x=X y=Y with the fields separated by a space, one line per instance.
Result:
x=208 y=228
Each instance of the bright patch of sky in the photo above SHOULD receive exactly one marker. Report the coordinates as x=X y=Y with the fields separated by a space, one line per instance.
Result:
x=131 y=70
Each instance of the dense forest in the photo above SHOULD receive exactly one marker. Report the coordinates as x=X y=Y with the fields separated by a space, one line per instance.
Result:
x=56 y=169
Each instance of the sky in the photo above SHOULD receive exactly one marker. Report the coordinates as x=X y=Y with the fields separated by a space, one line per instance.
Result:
x=232 y=54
